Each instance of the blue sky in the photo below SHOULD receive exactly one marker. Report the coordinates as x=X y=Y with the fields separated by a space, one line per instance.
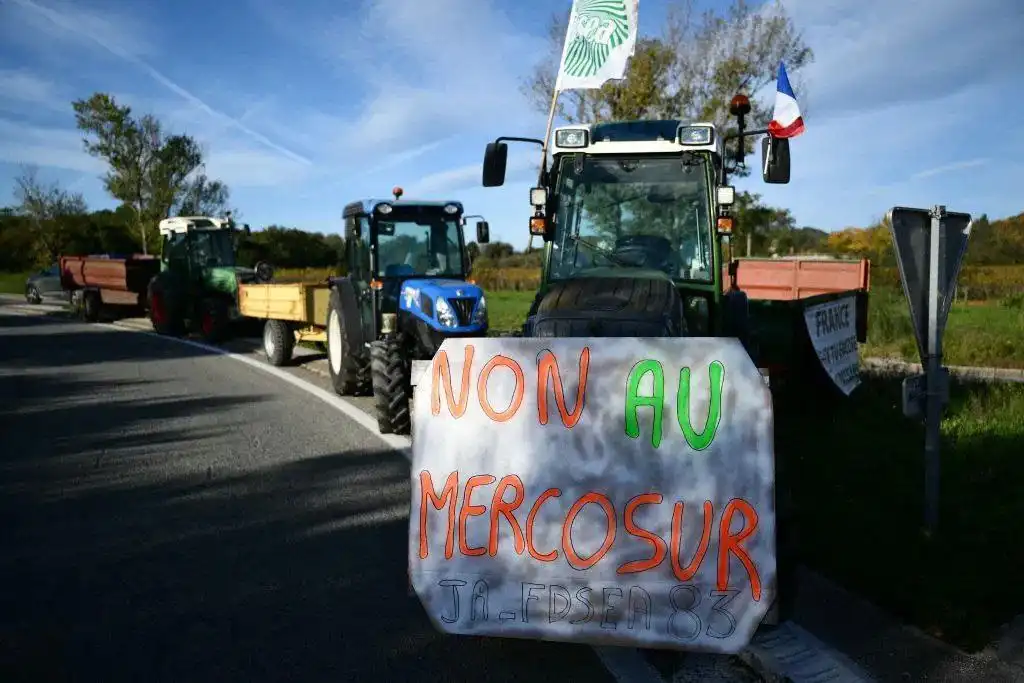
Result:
x=304 y=109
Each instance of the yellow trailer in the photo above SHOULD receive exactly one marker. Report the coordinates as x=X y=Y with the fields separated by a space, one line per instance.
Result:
x=295 y=312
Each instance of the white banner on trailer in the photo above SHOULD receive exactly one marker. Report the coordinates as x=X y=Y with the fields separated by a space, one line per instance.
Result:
x=603 y=491
x=833 y=330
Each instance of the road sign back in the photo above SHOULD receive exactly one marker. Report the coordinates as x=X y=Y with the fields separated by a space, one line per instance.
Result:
x=911 y=236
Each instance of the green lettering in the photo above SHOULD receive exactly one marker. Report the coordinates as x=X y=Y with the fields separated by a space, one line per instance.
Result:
x=634 y=401
x=698 y=441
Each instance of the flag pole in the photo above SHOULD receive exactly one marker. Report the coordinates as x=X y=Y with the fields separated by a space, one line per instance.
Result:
x=544 y=149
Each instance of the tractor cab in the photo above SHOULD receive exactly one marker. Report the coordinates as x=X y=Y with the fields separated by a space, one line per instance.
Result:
x=633 y=215
x=408 y=261
x=198 y=282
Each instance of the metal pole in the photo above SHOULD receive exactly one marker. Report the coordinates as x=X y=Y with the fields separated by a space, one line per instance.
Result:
x=933 y=396
x=544 y=148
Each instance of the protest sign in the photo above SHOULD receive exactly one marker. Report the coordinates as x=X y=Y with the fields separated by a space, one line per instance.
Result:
x=603 y=491
x=833 y=330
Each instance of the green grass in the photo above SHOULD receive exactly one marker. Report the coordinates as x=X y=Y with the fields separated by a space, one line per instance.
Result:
x=981 y=334
x=13 y=283
x=857 y=473
x=507 y=310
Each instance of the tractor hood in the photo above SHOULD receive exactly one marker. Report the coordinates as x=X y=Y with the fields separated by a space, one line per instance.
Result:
x=435 y=287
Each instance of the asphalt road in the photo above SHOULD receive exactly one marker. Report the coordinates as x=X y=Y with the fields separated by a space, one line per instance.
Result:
x=170 y=515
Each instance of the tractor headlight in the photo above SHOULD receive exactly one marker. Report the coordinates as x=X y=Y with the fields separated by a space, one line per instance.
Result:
x=480 y=315
x=445 y=314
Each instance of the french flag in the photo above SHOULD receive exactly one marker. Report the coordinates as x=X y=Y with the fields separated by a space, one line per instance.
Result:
x=786 y=121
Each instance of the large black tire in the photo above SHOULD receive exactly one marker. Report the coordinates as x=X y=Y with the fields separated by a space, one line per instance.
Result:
x=32 y=295
x=346 y=365
x=213 y=320
x=278 y=342
x=91 y=304
x=164 y=315
x=391 y=387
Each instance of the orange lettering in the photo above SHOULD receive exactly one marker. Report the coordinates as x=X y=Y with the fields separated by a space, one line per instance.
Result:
x=517 y=397
x=449 y=495
x=442 y=369
x=531 y=518
x=468 y=510
x=574 y=559
x=660 y=547
x=729 y=542
x=547 y=371
x=686 y=573
x=505 y=508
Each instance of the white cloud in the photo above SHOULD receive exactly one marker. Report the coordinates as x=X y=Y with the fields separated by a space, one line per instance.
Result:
x=429 y=71
x=21 y=87
x=469 y=176
x=101 y=31
x=44 y=147
x=949 y=168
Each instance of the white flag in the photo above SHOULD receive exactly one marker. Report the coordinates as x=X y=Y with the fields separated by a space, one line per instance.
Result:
x=598 y=44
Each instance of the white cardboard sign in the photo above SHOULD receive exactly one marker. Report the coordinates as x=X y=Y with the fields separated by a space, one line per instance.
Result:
x=833 y=330
x=603 y=491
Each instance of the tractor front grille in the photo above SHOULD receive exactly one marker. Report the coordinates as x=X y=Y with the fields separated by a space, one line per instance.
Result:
x=463 y=308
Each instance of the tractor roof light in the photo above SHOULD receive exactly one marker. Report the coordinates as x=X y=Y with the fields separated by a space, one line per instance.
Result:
x=696 y=135
x=398 y=192
x=451 y=208
x=384 y=208
x=571 y=138
x=740 y=105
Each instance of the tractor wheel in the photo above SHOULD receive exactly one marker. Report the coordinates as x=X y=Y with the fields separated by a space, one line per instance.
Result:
x=213 y=321
x=91 y=303
x=348 y=370
x=391 y=387
x=278 y=342
x=162 y=315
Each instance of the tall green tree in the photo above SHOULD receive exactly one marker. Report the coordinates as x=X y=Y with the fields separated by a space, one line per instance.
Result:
x=690 y=71
x=51 y=211
x=150 y=170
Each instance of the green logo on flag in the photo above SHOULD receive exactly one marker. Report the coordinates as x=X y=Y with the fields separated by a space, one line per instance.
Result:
x=599 y=26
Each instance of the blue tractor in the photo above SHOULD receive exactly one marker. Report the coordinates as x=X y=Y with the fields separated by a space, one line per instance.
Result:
x=405 y=293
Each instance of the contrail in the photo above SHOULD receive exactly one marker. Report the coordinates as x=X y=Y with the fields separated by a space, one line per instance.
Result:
x=63 y=22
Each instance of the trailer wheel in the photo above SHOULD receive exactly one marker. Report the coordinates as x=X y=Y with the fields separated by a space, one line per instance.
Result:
x=213 y=320
x=391 y=387
x=91 y=303
x=278 y=342
x=348 y=371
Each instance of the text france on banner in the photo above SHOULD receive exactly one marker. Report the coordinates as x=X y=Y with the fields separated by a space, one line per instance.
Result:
x=833 y=330
x=614 y=491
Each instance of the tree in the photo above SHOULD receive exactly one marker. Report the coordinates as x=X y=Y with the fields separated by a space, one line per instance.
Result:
x=51 y=212
x=690 y=72
x=149 y=170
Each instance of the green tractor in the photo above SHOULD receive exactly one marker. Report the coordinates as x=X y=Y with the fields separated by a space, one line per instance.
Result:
x=197 y=287
x=634 y=216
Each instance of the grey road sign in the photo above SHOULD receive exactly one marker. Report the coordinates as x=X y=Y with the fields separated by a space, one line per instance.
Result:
x=916 y=251
x=930 y=248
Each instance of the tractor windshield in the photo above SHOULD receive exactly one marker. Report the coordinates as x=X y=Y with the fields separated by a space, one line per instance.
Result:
x=650 y=212
x=427 y=244
x=205 y=248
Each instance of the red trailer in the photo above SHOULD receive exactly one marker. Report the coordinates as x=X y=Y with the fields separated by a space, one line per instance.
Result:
x=98 y=281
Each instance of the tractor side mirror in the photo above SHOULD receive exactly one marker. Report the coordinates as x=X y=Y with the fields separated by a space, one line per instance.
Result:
x=483 y=232
x=495 y=163
x=775 y=160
